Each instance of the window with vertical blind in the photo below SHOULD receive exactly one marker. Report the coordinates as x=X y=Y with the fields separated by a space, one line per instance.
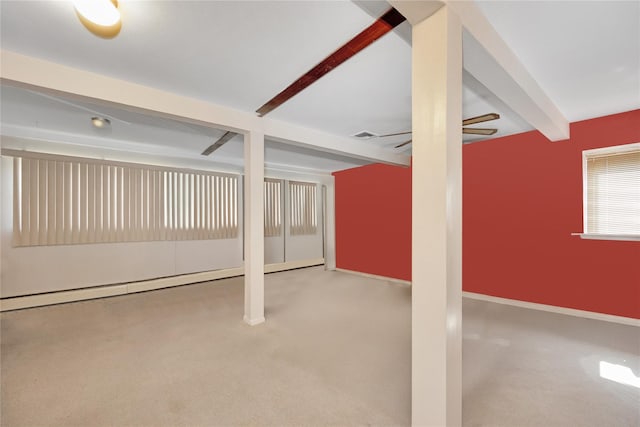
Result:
x=62 y=200
x=303 y=211
x=272 y=207
x=612 y=191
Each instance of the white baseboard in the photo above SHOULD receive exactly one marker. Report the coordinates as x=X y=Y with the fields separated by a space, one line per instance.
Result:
x=185 y=279
x=523 y=304
x=554 y=309
x=290 y=265
x=374 y=276
x=38 y=300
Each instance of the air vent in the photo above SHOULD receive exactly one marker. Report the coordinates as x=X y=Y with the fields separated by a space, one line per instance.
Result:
x=364 y=135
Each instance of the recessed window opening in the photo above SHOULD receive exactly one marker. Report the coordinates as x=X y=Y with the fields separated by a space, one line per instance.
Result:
x=611 y=184
x=77 y=201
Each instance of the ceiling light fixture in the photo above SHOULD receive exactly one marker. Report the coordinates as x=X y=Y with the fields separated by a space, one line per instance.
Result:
x=100 y=122
x=101 y=17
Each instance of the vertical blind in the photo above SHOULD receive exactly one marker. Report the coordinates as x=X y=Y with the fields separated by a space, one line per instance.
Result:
x=272 y=207
x=303 y=212
x=62 y=201
x=613 y=193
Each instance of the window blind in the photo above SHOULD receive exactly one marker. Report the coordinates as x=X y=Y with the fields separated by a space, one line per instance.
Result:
x=272 y=208
x=75 y=201
x=613 y=193
x=303 y=212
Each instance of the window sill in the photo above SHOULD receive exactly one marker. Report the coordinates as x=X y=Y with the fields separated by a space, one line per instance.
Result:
x=622 y=237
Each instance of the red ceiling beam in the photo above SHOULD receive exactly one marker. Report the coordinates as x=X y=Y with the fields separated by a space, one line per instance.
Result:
x=379 y=28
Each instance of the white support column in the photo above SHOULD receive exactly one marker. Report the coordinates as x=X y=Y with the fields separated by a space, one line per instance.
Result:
x=437 y=221
x=330 y=224
x=253 y=228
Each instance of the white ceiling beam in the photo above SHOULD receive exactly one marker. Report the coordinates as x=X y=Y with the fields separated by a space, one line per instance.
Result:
x=304 y=137
x=67 y=146
x=416 y=11
x=492 y=62
x=49 y=77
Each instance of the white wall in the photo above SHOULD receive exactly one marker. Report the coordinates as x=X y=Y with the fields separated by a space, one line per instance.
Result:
x=274 y=250
x=287 y=248
x=37 y=269
x=307 y=246
x=274 y=246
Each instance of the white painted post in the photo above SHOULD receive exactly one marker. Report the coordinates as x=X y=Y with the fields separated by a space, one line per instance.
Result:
x=437 y=221
x=330 y=224
x=253 y=228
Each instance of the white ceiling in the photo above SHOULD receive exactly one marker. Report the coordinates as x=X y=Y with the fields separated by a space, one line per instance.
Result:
x=240 y=54
x=584 y=54
x=31 y=114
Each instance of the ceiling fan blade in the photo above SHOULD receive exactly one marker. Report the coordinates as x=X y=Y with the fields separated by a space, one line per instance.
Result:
x=219 y=143
x=403 y=144
x=480 y=119
x=379 y=28
x=394 y=134
x=476 y=131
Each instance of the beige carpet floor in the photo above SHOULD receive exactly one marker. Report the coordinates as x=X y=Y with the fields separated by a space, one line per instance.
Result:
x=335 y=351
x=530 y=368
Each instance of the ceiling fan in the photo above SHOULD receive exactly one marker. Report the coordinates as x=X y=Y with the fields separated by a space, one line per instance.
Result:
x=465 y=130
x=226 y=137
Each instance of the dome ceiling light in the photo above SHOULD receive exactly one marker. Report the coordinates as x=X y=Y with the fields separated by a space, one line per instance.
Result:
x=100 y=122
x=101 y=17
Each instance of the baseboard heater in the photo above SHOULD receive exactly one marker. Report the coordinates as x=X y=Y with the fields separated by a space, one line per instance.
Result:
x=59 y=297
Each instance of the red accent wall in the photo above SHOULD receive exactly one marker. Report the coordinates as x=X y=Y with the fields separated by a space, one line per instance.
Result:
x=522 y=199
x=373 y=220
